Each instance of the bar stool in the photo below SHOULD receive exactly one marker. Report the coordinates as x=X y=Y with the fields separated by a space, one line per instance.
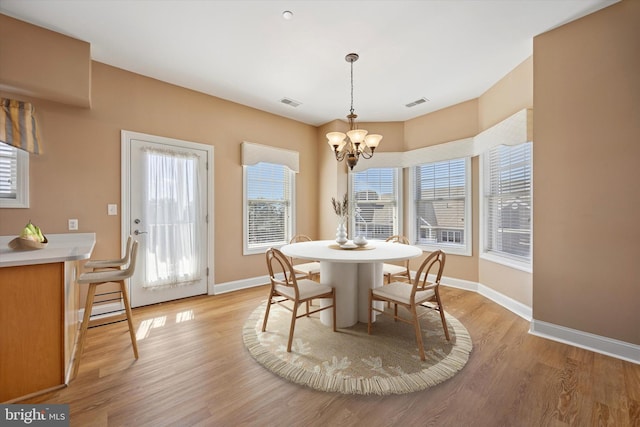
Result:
x=99 y=264
x=95 y=278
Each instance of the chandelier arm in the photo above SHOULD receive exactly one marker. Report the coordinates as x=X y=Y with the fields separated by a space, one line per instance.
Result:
x=367 y=154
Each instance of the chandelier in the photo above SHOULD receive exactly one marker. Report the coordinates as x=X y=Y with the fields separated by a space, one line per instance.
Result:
x=356 y=142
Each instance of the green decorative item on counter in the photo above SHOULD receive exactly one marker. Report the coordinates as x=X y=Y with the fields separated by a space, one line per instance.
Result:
x=31 y=237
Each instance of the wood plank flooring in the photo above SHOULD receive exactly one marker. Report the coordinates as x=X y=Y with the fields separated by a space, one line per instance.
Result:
x=194 y=371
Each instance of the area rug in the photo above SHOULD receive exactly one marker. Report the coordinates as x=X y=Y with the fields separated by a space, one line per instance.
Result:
x=352 y=362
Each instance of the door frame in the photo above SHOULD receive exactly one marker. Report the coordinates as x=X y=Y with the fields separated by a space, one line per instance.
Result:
x=125 y=161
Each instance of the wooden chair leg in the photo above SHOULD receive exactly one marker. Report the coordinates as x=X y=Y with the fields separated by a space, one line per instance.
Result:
x=294 y=314
x=416 y=324
x=127 y=307
x=266 y=313
x=444 y=321
x=91 y=293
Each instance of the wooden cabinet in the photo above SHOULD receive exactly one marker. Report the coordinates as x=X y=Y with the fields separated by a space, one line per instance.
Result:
x=38 y=320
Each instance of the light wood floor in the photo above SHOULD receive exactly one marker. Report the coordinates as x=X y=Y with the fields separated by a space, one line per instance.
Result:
x=194 y=370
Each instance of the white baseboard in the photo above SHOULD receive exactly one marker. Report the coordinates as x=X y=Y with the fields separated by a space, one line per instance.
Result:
x=596 y=343
x=102 y=310
x=610 y=347
x=236 y=285
x=509 y=303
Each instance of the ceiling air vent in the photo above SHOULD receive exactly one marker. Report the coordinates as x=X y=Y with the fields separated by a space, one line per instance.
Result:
x=290 y=102
x=416 y=102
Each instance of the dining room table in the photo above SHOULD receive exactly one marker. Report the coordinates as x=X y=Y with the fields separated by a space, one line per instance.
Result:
x=352 y=270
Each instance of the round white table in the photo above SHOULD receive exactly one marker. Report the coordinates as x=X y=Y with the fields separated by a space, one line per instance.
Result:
x=352 y=272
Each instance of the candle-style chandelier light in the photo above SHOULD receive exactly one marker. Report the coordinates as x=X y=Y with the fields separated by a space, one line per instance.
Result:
x=356 y=142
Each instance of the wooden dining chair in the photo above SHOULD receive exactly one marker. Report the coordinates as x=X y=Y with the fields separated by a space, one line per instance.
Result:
x=306 y=270
x=422 y=293
x=285 y=286
x=393 y=271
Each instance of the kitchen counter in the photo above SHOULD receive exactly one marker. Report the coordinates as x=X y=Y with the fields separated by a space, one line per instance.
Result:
x=39 y=301
x=61 y=248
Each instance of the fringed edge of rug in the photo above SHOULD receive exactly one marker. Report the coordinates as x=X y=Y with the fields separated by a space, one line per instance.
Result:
x=401 y=384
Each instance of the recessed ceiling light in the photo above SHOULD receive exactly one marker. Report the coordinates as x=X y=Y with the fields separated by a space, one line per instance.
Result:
x=287 y=14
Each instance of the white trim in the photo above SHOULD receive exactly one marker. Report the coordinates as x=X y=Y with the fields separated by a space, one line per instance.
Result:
x=503 y=260
x=291 y=226
x=608 y=346
x=596 y=343
x=125 y=218
x=509 y=303
x=462 y=250
x=102 y=311
x=22 y=186
x=236 y=285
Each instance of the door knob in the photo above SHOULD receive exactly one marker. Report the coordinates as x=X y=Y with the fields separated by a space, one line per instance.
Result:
x=139 y=232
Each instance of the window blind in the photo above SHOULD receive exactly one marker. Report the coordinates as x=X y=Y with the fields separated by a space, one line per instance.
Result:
x=374 y=196
x=269 y=192
x=8 y=172
x=508 y=201
x=440 y=197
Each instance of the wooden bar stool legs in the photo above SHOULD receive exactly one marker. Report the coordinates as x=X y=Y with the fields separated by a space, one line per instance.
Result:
x=96 y=278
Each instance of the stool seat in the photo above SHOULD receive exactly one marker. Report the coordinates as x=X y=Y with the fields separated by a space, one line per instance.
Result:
x=96 y=278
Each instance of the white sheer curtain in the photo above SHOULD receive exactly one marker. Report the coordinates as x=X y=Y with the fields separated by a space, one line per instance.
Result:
x=172 y=217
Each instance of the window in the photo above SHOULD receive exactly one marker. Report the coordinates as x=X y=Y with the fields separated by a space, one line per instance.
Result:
x=14 y=177
x=375 y=200
x=268 y=207
x=507 y=205
x=441 y=210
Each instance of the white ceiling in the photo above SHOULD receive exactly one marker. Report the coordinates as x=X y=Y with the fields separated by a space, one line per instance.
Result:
x=447 y=51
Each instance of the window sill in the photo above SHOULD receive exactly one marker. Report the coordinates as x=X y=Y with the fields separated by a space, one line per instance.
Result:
x=511 y=263
x=449 y=250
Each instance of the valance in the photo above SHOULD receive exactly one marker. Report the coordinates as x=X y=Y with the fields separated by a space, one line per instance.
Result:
x=516 y=129
x=18 y=125
x=255 y=153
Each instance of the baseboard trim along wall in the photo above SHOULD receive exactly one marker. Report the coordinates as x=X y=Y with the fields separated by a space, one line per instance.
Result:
x=596 y=343
x=610 y=347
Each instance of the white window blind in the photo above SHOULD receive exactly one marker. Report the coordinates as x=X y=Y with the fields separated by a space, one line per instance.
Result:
x=508 y=201
x=374 y=203
x=441 y=202
x=14 y=177
x=269 y=192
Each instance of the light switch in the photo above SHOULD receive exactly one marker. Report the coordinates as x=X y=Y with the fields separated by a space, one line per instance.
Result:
x=73 y=224
x=112 y=209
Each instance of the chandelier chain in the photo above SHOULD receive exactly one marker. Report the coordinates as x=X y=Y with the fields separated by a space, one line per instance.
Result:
x=352 y=87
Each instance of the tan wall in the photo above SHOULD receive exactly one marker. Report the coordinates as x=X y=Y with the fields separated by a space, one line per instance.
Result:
x=585 y=159
x=449 y=124
x=79 y=174
x=513 y=93
x=38 y=62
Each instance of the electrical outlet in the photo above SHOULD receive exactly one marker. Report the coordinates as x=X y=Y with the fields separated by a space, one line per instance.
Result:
x=73 y=224
x=112 y=209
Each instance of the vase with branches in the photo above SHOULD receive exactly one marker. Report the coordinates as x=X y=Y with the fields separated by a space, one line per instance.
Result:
x=341 y=208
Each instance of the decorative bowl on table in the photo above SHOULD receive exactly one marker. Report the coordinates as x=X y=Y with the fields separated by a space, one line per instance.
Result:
x=360 y=241
x=30 y=237
x=20 y=243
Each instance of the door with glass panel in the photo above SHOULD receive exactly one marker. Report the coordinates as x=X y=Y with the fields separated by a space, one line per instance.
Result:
x=168 y=215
